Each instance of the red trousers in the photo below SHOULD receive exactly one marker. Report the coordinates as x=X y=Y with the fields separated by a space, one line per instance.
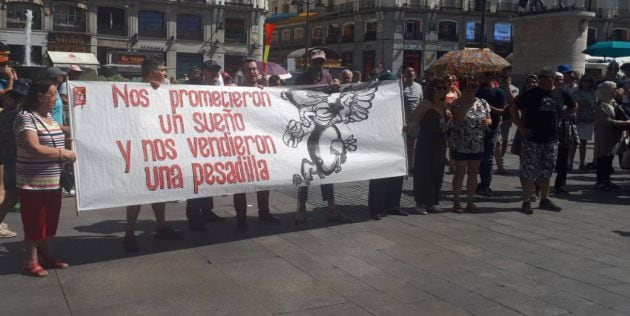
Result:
x=40 y=213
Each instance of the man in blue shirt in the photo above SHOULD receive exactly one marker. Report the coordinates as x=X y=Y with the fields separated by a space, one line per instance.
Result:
x=497 y=100
x=55 y=74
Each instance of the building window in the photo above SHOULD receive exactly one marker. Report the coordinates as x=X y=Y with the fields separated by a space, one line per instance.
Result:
x=286 y=35
x=112 y=21
x=473 y=32
x=317 y=37
x=447 y=31
x=503 y=32
x=592 y=36
x=370 y=31
x=332 y=36
x=16 y=15
x=234 y=31
x=298 y=34
x=189 y=27
x=413 y=30
x=69 y=17
x=348 y=33
x=185 y=62
x=151 y=24
x=274 y=37
x=620 y=35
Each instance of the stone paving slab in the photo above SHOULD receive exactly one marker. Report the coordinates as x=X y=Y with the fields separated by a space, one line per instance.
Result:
x=498 y=262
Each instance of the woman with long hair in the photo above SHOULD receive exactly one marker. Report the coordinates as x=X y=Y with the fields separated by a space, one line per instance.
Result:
x=40 y=152
x=430 y=152
x=471 y=118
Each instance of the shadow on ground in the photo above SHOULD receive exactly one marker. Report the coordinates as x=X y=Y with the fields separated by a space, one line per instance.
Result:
x=104 y=242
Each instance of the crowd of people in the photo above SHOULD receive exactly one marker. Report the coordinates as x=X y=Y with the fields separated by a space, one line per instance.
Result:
x=459 y=122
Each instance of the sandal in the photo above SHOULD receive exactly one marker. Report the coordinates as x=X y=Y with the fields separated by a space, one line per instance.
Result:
x=458 y=208
x=52 y=263
x=35 y=270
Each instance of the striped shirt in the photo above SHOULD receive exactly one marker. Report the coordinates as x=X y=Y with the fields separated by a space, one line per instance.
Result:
x=37 y=173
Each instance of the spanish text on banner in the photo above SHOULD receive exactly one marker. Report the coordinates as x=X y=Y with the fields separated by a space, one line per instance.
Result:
x=138 y=145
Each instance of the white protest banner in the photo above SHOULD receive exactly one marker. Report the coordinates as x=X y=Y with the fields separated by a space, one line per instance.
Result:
x=138 y=145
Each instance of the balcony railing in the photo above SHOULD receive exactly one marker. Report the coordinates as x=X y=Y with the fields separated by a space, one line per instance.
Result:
x=332 y=39
x=240 y=3
x=417 y=3
x=367 y=4
x=413 y=36
x=452 y=4
x=346 y=8
x=507 y=7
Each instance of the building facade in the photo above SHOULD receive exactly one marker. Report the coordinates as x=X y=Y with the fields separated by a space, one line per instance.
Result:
x=184 y=32
x=390 y=34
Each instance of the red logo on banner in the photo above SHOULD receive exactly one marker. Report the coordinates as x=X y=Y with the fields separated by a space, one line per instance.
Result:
x=79 y=94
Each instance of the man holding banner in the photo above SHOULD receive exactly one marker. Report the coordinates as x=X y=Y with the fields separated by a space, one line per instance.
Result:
x=199 y=210
x=153 y=70
x=251 y=74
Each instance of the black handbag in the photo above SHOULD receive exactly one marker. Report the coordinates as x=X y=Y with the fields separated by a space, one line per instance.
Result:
x=67 y=171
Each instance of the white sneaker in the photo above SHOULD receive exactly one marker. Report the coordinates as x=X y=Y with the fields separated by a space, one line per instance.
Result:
x=4 y=225
x=6 y=233
x=421 y=210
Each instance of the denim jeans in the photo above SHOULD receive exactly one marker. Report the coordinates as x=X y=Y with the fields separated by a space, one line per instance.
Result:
x=485 y=168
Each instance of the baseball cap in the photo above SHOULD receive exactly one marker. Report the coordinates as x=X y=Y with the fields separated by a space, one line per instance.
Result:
x=21 y=87
x=564 y=68
x=54 y=72
x=75 y=68
x=211 y=65
x=317 y=53
x=559 y=75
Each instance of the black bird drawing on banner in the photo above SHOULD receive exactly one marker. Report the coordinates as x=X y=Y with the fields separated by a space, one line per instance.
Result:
x=320 y=112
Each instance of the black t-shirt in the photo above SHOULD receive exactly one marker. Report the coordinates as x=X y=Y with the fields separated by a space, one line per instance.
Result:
x=496 y=98
x=541 y=111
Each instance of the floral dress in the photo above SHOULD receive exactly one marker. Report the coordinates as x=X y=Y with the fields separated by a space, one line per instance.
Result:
x=467 y=137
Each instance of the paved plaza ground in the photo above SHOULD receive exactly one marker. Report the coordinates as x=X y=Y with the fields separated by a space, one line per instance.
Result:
x=500 y=262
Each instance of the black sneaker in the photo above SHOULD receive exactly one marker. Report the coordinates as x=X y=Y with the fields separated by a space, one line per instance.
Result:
x=546 y=204
x=265 y=216
x=526 y=208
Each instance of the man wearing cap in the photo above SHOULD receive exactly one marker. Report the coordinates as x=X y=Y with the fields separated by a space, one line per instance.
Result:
x=55 y=74
x=74 y=72
x=199 y=210
x=537 y=114
x=252 y=78
x=153 y=71
x=317 y=75
x=570 y=77
x=8 y=152
x=211 y=73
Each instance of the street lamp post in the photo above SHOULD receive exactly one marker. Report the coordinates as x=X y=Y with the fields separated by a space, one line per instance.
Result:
x=307 y=3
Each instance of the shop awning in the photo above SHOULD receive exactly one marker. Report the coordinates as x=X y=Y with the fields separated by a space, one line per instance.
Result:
x=71 y=58
x=37 y=2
